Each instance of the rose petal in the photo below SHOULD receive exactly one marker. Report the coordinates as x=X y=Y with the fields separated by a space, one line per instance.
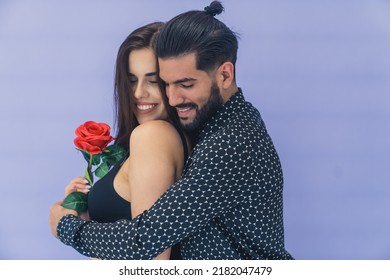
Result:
x=93 y=137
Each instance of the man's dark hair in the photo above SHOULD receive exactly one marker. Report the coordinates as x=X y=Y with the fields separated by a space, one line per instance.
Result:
x=199 y=32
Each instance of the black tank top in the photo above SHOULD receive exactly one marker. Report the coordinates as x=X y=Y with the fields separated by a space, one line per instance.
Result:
x=105 y=205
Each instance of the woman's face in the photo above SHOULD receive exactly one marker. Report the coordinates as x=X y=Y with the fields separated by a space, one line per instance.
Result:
x=146 y=92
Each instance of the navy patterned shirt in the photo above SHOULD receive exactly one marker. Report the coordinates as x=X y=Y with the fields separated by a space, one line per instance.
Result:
x=228 y=203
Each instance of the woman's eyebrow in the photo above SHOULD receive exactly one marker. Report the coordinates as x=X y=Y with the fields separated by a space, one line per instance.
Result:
x=147 y=74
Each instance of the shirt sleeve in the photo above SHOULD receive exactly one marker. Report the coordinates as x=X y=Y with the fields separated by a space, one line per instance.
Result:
x=219 y=177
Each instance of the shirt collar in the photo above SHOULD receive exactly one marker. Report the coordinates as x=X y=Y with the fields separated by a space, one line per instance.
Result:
x=222 y=116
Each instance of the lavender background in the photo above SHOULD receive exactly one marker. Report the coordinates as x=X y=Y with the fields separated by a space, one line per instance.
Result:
x=319 y=72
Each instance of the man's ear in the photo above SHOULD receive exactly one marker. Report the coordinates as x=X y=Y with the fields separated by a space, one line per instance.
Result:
x=225 y=75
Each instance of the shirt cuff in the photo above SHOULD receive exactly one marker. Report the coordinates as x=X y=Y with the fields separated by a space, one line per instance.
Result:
x=68 y=227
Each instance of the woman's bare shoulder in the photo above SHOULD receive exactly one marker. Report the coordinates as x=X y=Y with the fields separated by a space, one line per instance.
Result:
x=156 y=131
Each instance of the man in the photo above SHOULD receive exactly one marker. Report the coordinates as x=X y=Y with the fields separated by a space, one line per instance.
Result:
x=228 y=203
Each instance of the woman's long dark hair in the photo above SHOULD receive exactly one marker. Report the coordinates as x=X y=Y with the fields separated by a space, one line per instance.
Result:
x=141 y=38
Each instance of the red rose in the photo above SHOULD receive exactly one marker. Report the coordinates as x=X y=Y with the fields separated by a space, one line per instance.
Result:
x=93 y=137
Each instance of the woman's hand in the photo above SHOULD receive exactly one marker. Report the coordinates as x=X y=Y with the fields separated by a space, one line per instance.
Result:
x=78 y=184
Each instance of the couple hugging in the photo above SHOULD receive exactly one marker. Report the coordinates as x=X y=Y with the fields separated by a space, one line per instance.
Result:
x=201 y=179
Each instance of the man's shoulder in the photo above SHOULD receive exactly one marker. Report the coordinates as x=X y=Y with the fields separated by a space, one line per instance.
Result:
x=237 y=132
x=246 y=121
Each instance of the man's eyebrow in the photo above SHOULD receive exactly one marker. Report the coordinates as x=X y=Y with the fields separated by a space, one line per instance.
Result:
x=184 y=80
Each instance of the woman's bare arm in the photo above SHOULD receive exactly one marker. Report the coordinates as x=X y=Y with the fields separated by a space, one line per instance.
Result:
x=155 y=163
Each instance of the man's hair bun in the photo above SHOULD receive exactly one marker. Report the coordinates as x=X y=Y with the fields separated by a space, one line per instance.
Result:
x=215 y=8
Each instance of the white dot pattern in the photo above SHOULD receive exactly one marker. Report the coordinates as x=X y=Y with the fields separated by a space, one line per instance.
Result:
x=227 y=205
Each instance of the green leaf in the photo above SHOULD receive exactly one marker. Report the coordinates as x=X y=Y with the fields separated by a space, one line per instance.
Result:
x=76 y=201
x=96 y=159
x=115 y=149
x=85 y=154
x=115 y=154
x=102 y=170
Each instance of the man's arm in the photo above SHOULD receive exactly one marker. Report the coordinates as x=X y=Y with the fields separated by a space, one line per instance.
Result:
x=213 y=183
x=56 y=213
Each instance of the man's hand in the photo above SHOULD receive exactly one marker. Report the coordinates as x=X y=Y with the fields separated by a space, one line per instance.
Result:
x=56 y=213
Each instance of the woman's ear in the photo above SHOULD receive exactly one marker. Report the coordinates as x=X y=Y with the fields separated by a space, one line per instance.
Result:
x=225 y=75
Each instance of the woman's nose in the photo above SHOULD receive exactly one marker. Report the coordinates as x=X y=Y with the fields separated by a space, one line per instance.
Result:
x=140 y=90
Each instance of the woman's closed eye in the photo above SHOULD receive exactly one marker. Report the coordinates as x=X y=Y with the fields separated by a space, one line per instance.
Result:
x=132 y=78
x=133 y=83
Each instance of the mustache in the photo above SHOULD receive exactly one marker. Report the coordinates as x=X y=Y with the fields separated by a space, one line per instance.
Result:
x=186 y=105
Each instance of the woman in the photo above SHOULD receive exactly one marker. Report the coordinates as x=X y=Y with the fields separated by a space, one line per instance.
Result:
x=157 y=148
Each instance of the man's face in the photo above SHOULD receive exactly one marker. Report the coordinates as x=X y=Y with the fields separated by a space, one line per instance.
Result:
x=193 y=93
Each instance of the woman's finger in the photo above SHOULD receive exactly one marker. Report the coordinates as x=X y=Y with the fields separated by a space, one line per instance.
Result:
x=79 y=180
x=82 y=188
x=77 y=185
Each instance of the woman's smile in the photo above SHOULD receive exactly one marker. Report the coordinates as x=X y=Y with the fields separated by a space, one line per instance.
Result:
x=144 y=108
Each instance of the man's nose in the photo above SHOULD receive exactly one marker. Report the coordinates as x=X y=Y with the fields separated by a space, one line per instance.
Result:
x=174 y=96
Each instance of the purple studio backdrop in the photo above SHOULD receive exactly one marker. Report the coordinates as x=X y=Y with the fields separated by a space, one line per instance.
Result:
x=318 y=71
